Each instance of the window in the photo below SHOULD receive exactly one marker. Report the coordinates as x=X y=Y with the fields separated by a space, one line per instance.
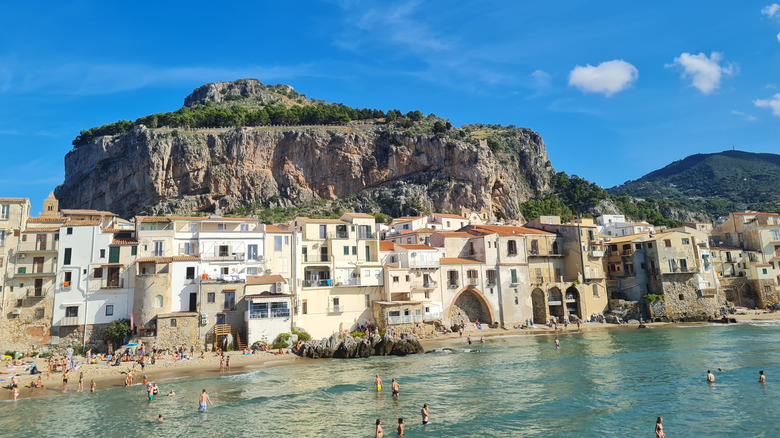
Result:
x=346 y=250
x=251 y=252
x=193 y=228
x=158 y=248
x=5 y=211
x=244 y=227
x=305 y=307
x=113 y=254
x=251 y=271
x=40 y=313
x=667 y=243
x=595 y=291
x=683 y=265
x=511 y=247
x=190 y=273
x=211 y=297
x=97 y=273
x=173 y=322
x=221 y=227
x=187 y=248
x=134 y=250
x=649 y=245
x=407 y=278
x=686 y=241
x=395 y=279
x=66 y=259
x=109 y=310
x=278 y=243
x=71 y=311
x=764 y=270
x=69 y=230
x=452 y=278
x=323 y=232
x=224 y=271
x=368 y=301
x=427 y=295
x=775 y=235
x=230 y=300
x=19 y=303
x=102 y=253
x=513 y=274
x=158 y=301
x=2 y=237
x=354 y=250
x=491 y=276
x=286 y=240
x=223 y=250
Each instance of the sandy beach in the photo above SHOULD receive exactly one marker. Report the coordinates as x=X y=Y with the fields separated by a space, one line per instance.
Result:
x=107 y=377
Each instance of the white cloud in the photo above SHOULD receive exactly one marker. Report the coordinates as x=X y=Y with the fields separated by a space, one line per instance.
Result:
x=771 y=11
x=706 y=73
x=746 y=117
x=608 y=78
x=773 y=104
x=542 y=79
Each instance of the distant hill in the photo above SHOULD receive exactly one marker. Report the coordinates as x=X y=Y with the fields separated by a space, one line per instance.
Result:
x=716 y=183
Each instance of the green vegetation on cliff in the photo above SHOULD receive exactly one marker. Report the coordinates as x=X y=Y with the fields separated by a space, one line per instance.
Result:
x=572 y=196
x=717 y=183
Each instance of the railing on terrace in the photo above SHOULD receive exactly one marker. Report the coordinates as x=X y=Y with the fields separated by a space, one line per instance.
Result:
x=69 y=320
x=452 y=284
x=223 y=258
x=336 y=308
x=317 y=283
x=281 y=313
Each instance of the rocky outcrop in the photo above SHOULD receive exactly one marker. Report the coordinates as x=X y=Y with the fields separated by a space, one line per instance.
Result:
x=351 y=347
x=169 y=171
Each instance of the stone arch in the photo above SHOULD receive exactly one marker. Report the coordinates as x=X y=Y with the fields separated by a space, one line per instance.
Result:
x=573 y=302
x=555 y=303
x=539 y=305
x=472 y=304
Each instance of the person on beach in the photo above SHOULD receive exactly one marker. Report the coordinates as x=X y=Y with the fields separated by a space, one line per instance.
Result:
x=481 y=340
x=14 y=382
x=155 y=389
x=149 y=392
x=227 y=364
x=710 y=377
x=171 y=394
x=761 y=377
x=460 y=332
x=557 y=344
x=400 y=427
x=396 y=387
x=204 y=398
x=659 y=428
x=378 y=383
x=81 y=382
x=39 y=383
x=468 y=339
x=92 y=386
x=424 y=412
x=65 y=376
x=379 y=432
x=16 y=393
x=221 y=365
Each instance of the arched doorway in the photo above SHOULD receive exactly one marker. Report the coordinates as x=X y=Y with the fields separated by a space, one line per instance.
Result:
x=555 y=303
x=573 y=302
x=470 y=305
x=539 y=306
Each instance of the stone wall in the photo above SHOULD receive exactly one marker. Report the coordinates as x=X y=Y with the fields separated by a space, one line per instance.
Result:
x=764 y=292
x=31 y=329
x=185 y=331
x=684 y=302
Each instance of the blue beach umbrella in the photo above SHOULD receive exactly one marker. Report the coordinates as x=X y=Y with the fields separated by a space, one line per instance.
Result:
x=129 y=345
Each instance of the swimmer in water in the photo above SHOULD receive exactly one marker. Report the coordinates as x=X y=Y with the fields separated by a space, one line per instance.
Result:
x=557 y=344
x=204 y=398
x=400 y=427
x=761 y=377
x=378 y=383
x=379 y=432
x=424 y=412
x=396 y=387
x=710 y=377
x=659 y=428
x=159 y=418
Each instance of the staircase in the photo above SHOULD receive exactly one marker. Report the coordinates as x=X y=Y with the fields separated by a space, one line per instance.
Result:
x=222 y=330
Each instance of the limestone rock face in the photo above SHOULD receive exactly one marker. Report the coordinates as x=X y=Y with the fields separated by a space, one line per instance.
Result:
x=349 y=347
x=165 y=171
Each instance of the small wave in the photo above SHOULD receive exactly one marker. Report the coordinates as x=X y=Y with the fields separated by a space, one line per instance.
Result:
x=453 y=350
x=764 y=324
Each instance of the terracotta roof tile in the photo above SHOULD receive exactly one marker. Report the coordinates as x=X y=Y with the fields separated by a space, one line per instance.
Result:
x=264 y=279
x=40 y=230
x=320 y=221
x=158 y=260
x=455 y=234
x=451 y=216
x=80 y=212
x=117 y=230
x=275 y=229
x=120 y=241
x=415 y=246
x=13 y=199
x=456 y=261
x=47 y=219
x=82 y=223
x=363 y=215
x=507 y=230
x=384 y=245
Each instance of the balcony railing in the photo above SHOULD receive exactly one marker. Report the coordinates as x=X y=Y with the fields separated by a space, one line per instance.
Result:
x=452 y=284
x=364 y=235
x=626 y=252
x=336 y=308
x=281 y=313
x=472 y=281
x=317 y=283
x=39 y=246
x=430 y=284
x=115 y=284
x=597 y=253
x=491 y=281
x=417 y=264
x=338 y=235
x=235 y=257
x=69 y=320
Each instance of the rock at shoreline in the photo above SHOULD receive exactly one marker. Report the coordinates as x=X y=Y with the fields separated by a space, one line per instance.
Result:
x=351 y=347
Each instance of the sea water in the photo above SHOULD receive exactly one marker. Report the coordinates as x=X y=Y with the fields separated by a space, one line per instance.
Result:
x=611 y=383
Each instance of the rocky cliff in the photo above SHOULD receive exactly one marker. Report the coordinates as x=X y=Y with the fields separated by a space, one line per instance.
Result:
x=380 y=166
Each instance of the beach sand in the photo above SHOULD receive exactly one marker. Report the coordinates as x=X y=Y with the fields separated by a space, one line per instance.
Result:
x=114 y=376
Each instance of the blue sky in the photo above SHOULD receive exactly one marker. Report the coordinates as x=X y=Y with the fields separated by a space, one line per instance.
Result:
x=616 y=89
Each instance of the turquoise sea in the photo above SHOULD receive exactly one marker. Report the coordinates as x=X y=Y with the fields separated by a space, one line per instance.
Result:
x=610 y=383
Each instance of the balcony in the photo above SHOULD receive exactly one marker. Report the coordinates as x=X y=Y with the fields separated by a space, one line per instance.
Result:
x=30 y=247
x=425 y=285
x=69 y=320
x=235 y=257
x=491 y=281
x=318 y=283
x=225 y=278
x=596 y=253
x=423 y=264
x=336 y=308
x=315 y=258
x=627 y=252
x=338 y=235
x=36 y=272
x=277 y=313
x=366 y=235
x=452 y=284
x=472 y=281
x=116 y=283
